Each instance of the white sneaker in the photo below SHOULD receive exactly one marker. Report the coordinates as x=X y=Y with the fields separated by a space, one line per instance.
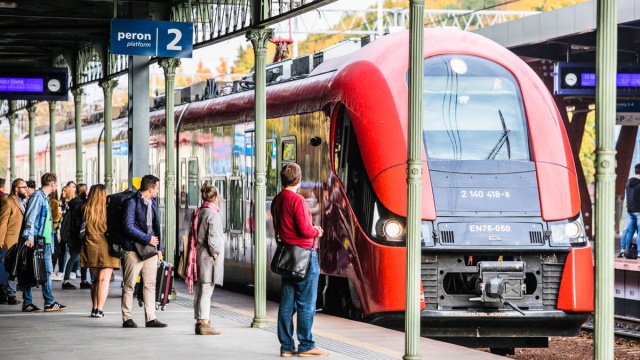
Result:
x=72 y=276
x=78 y=274
x=55 y=277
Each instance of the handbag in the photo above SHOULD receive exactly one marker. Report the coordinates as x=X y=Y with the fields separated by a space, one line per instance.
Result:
x=31 y=267
x=145 y=251
x=291 y=261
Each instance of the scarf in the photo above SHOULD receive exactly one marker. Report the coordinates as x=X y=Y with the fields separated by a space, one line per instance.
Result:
x=191 y=275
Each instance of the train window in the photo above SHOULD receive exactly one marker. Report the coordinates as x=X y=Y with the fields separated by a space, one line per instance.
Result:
x=193 y=189
x=183 y=182
x=220 y=183
x=236 y=202
x=473 y=110
x=288 y=149
x=272 y=167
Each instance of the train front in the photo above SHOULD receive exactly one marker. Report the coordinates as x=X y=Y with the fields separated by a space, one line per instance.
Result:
x=505 y=260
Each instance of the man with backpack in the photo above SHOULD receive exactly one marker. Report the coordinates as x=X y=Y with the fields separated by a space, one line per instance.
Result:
x=141 y=225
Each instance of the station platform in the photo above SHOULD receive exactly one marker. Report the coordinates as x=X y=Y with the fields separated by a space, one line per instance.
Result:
x=72 y=334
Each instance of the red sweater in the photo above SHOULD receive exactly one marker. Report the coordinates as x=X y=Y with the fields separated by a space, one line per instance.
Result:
x=294 y=219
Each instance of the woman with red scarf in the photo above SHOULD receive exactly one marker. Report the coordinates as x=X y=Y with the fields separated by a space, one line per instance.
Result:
x=205 y=264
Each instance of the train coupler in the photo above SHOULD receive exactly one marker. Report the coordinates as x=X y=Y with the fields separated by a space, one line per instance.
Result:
x=501 y=281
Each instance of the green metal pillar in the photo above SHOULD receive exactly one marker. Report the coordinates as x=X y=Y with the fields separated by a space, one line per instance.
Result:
x=606 y=66
x=107 y=87
x=169 y=65
x=259 y=38
x=414 y=181
x=52 y=137
x=77 y=99
x=31 y=110
x=12 y=145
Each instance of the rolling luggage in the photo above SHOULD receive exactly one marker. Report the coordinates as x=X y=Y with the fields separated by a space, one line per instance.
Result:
x=164 y=283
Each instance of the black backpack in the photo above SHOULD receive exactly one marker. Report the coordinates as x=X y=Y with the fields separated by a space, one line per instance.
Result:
x=632 y=250
x=115 y=221
x=66 y=225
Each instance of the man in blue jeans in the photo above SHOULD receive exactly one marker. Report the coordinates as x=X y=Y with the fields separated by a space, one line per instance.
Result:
x=632 y=192
x=293 y=225
x=37 y=222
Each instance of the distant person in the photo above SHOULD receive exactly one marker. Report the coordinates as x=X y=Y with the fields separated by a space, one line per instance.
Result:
x=31 y=187
x=295 y=227
x=73 y=243
x=2 y=186
x=142 y=225
x=56 y=216
x=632 y=192
x=38 y=225
x=95 y=250
x=66 y=195
x=206 y=257
x=12 y=208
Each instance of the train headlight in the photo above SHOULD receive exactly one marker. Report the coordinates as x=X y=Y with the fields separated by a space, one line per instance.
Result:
x=566 y=233
x=388 y=227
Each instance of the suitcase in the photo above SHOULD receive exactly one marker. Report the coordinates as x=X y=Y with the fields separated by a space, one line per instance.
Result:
x=31 y=269
x=164 y=283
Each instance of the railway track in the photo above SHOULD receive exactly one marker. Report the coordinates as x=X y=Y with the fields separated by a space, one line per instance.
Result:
x=626 y=333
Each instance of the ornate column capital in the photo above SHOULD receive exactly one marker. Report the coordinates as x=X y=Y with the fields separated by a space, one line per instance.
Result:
x=169 y=65
x=12 y=118
x=52 y=104
x=259 y=39
x=77 y=93
x=31 y=108
x=108 y=85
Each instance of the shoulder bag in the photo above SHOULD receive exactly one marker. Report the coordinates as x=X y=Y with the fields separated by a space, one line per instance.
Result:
x=289 y=260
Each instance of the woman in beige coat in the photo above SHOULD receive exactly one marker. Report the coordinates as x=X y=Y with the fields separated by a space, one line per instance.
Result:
x=206 y=257
x=95 y=250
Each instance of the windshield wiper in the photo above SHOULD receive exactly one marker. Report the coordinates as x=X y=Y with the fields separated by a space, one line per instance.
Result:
x=504 y=138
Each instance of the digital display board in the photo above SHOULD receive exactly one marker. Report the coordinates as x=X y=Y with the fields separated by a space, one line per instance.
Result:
x=580 y=79
x=50 y=84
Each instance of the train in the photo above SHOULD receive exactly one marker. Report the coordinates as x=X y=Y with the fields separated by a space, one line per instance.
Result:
x=505 y=262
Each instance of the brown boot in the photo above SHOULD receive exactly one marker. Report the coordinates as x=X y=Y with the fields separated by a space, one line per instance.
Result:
x=206 y=329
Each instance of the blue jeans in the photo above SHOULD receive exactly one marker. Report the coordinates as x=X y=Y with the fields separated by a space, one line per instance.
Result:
x=47 y=294
x=298 y=296
x=627 y=237
x=73 y=264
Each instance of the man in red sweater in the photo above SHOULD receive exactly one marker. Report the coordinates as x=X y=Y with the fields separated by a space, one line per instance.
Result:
x=295 y=227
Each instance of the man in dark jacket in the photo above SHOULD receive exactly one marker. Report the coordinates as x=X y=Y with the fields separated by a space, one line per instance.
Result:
x=141 y=225
x=633 y=210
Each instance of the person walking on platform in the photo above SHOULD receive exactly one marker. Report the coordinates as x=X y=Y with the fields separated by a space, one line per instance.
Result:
x=293 y=225
x=141 y=225
x=37 y=224
x=66 y=195
x=56 y=215
x=73 y=242
x=205 y=262
x=632 y=192
x=95 y=250
x=12 y=208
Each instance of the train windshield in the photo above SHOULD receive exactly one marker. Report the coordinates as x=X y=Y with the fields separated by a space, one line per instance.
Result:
x=472 y=110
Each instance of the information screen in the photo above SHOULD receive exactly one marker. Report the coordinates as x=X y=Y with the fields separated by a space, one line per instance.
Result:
x=16 y=84
x=580 y=79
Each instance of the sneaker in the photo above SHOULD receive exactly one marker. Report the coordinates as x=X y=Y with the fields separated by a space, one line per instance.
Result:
x=68 y=286
x=56 y=306
x=289 y=353
x=206 y=329
x=315 y=352
x=30 y=308
x=99 y=313
x=129 y=324
x=621 y=255
x=55 y=277
x=158 y=324
x=78 y=274
x=85 y=285
x=72 y=276
x=93 y=312
x=13 y=301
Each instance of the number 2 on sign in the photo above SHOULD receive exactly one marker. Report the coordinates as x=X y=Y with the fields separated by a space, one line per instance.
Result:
x=173 y=45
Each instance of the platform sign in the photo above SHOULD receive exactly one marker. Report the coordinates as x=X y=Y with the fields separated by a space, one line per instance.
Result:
x=580 y=79
x=628 y=112
x=31 y=83
x=151 y=38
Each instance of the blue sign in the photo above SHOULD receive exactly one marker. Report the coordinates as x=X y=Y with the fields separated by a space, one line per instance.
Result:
x=17 y=84
x=151 y=38
x=580 y=79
